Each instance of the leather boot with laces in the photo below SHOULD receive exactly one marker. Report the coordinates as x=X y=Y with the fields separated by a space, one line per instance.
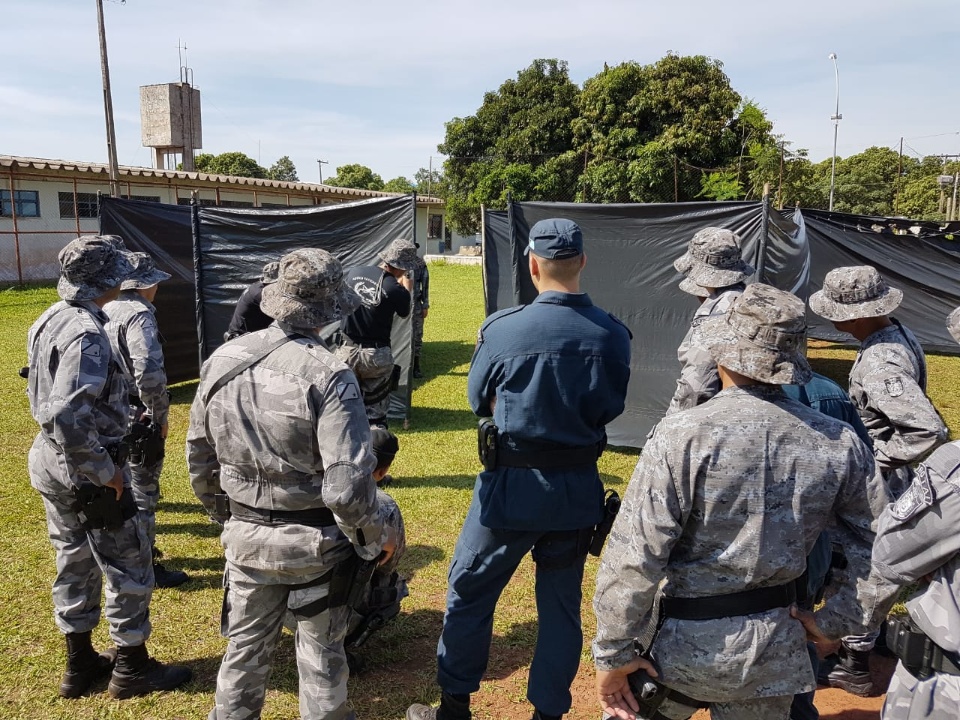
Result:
x=852 y=673
x=84 y=665
x=136 y=673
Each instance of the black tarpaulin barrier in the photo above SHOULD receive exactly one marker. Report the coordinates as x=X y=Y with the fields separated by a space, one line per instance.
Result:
x=165 y=233
x=498 y=272
x=926 y=268
x=231 y=246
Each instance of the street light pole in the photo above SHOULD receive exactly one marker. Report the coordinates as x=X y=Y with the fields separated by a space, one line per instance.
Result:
x=320 y=164
x=114 y=171
x=837 y=117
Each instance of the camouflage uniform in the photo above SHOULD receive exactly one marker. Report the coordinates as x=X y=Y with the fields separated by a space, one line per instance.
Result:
x=287 y=434
x=714 y=270
x=917 y=540
x=421 y=302
x=78 y=397
x=137 y=343
x=713 y=510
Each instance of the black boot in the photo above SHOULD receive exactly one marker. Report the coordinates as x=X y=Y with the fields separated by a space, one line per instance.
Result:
x=537 y=715
x=417 y=372
x=84 y=665
x=452 y=707
x=164 y=578
x=852 y=673
x=136 y=673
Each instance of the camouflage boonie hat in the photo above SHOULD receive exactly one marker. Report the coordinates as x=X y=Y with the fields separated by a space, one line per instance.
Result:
x=953 y=324
x=309 y=291
x=691 y=288
x=92 y=265
x=270 y=272
x=401 y=254
x=145 y=274
x=713 y=259
x=763 y=336
x=851 y=293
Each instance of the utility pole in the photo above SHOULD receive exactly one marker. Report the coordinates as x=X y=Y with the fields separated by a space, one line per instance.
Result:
x=320 y=164
x=836 y=117
x=108 y=107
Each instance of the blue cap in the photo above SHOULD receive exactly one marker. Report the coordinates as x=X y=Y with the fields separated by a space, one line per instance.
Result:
x=555 y=239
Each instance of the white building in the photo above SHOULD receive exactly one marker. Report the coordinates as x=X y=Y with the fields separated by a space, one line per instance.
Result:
x=46 y=203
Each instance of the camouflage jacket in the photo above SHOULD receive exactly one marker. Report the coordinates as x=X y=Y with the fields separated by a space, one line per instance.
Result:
x=699 y=380
x=731 y=496
x=887 y=384
x=917 y=539
x=76 y=390
x=137 y=343
x=288 y=433
x=421 y=286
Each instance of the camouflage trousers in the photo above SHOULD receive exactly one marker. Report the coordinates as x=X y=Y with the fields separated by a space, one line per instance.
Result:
x=373 y=368
x=85 y=558
x=768 y=708
x=145 y=483
x=255 y=602
x=908 y=698
x=416 y=320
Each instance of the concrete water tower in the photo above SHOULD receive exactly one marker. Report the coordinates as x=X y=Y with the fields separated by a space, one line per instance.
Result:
x=170 y=121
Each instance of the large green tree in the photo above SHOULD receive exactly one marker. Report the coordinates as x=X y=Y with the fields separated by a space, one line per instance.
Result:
x=356 y=176
x=284 y=169
x=236 y=164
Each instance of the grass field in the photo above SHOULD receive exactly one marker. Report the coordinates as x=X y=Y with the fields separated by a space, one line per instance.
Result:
x=435 y=472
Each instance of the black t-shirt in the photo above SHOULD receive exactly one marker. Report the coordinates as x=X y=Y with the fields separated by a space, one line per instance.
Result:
x=248 y=317
x=382 y=297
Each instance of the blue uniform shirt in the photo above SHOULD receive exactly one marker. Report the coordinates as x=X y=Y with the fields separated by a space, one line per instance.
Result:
x=558 y=369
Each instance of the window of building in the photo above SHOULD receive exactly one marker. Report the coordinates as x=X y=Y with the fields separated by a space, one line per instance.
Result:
x=144 y=198
x=202 y=202
x=25 y=202
x=434 y=227
x=86 y=205
x=273 y=205
x=236 y=203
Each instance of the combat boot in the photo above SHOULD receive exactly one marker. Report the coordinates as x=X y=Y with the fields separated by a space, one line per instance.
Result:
x=452 y=707
x=537 y=715
x=136 y=673
x=164 y=578
x=84 y=665
x=852 y=673
x=417 y=372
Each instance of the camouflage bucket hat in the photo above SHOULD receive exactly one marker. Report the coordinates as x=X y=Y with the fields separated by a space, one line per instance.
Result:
x=713 y=259
x=850 y=293
x=691 y=288
x=953 y=324
x=92 y=265
x=400 y=254
x=145 y=273
x=762 y=336
x=309 y=291
x=270 y=272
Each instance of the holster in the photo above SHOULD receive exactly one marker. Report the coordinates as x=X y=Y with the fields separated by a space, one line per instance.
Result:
x=611 y=506
x=487 y=436
x=350 y=580
x=651 y=695
x=920 y=655
x=221 y=504
x=119 y=452
x=395 y=378
x=100 y=510
x=146 y=443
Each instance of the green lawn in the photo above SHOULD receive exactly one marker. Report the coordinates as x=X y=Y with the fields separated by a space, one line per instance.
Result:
x=435 y=472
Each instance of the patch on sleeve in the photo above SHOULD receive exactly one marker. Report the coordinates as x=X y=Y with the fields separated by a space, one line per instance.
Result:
x=89 y=347
x=480 y=335
x=894 y=386
x=917 y=497
x=348 y=391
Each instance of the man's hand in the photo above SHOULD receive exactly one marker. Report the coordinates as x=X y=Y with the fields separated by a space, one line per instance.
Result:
x=425 y=311
x=386 y=552
x=163 y=431
x=825 y=645
x=613 y=689
x=116 y=482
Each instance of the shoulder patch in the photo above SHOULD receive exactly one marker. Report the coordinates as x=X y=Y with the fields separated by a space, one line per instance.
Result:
x=894 y=386
x=620 y=323
x=348 y=391
x=917 y=497
x=89 y=347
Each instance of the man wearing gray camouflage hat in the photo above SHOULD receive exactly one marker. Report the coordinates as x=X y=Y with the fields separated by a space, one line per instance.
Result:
x=384 y=292
x=725 y=503
x=713 y=269
x=917 y=542
x=138 y=345
x=291 y=479
x=78 y=465
x=888 y=384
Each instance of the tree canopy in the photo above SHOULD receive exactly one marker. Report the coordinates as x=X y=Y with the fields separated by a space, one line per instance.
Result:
x=284 y=169
x=236 y=164
x=356 y=176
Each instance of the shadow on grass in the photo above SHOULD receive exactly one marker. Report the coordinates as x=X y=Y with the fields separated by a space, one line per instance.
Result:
x=181 y=507
x=442 y=356
x=431 y=419
x=419 y=556
x=456 y=482
x=837 y=369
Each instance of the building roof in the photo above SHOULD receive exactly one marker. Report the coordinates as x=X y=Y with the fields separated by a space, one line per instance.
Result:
x=128 y=172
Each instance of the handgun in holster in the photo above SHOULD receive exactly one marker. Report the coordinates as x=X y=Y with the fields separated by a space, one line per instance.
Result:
x=350 y=580
x=611 y=506
x=100 y=509
x=487 y=435
x=650 y=695
x=146 y=443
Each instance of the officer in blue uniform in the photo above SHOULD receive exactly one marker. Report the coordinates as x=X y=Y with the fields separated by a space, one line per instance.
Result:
x=552 y=375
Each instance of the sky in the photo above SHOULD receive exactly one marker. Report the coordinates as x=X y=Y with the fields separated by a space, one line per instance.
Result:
x=374 y=82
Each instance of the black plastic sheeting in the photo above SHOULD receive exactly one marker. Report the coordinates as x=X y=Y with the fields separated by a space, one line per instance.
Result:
x=163 y=231
x=630 y=252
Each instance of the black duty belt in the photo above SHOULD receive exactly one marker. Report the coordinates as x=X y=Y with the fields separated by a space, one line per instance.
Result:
x=713 y=607
x=559 y=457
x=369 y=344
x=920 y=655
x=312 y=517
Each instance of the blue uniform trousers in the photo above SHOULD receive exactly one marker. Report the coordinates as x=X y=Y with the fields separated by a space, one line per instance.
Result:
x=483 y=563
